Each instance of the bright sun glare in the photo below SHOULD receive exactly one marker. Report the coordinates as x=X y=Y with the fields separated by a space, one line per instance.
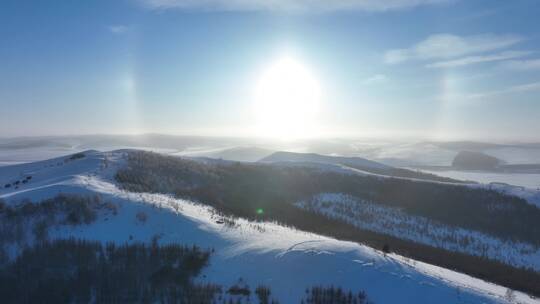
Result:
x=287 y=100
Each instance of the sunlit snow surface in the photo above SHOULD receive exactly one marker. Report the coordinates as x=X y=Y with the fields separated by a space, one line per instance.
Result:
x=285 y=259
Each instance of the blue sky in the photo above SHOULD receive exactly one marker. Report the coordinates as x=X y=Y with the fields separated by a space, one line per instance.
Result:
x=422 y=68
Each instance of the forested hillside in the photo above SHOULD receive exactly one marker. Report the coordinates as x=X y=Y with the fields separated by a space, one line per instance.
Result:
x=267 y=192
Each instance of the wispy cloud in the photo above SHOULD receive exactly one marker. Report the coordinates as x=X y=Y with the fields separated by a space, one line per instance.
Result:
x=528 y=87
x=375 y=79
x=444 y=46
x=289 y=5
x=478 y=59
x=118 y=29
x=522 y=65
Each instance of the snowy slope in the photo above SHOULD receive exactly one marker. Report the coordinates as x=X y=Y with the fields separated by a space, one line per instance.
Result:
x=394 y=221
x=285 y=259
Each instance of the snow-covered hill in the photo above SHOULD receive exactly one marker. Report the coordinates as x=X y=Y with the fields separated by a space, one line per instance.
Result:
x=285 y=259
x=323 y=159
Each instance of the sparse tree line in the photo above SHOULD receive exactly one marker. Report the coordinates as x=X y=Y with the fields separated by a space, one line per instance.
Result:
x=334 y=295
x=165 y=173
x=18 y=182
x=241 y=190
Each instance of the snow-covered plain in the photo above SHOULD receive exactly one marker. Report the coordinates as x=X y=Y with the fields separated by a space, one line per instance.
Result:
x=285 y=259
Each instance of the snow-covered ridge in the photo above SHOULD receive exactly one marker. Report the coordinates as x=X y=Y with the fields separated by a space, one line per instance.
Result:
x=285 y=259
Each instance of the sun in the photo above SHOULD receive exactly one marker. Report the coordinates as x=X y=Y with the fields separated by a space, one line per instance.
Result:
x=287 y=100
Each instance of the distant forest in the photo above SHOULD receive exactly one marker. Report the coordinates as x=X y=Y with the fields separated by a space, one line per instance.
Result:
x=266 y=192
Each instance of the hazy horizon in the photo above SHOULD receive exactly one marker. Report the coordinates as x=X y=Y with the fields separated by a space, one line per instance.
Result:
x=254 y=138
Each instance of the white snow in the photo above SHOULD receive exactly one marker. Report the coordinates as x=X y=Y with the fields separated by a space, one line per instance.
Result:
x=285 y=259
x=393 y=221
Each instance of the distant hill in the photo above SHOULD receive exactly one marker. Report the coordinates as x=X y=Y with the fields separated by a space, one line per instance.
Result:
x=355 y=163
x=469 y=145
x=244 y=154
x=468 y=160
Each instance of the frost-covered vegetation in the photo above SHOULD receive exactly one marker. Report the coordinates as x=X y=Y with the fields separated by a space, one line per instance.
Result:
x=266 y=192
x=164 y=174
x=333 y=295
x=28 y=221
x=393 y=221
x=78 y=271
